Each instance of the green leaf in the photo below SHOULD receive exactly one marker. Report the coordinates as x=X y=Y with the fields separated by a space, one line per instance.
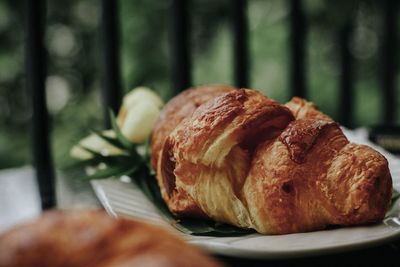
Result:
x=121 y=138
x=147 y=146
x=395 y=195
x=148 y=155
x=110 y=140
x=74 y=164
x=97 y=158
x=227 y=229
x=109 y=172
x=95 y=154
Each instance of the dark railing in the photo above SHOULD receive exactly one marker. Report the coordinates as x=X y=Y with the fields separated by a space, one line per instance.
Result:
x=346 y=77
x=180 y=48
x=111 y=68
x=35 y=77
x=389 y=59
x=181 y=66
x=240 y=43
x=297 y=49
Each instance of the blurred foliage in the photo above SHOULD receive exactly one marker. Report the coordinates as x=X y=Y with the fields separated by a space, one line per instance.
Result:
x=74 y=46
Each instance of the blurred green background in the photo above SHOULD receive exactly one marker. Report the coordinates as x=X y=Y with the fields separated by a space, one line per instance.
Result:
x=73 y=45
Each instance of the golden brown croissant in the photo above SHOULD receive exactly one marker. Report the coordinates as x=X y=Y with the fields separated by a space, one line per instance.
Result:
x=246 y=160
x=180 y=107
x=302 y=109
x=92 y=238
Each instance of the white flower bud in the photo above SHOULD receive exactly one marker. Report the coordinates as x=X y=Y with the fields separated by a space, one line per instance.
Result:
x=138 y=94
x=138 y=114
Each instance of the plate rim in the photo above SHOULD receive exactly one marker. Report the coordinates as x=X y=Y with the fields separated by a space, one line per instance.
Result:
x=232 y=251
x=293 y=254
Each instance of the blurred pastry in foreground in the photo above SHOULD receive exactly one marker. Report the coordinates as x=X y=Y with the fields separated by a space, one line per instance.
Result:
x=92 y=238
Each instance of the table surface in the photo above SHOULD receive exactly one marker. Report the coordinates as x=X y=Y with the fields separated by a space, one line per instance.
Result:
x=73 y=193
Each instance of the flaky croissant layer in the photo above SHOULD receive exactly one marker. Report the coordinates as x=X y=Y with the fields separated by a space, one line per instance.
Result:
x=238 y=157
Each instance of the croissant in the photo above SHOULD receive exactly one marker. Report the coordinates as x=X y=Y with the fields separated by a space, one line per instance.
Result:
x=180 y=107
x=92 y=238
x=244 y=159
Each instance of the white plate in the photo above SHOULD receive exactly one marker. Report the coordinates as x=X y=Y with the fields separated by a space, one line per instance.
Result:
x=124 y=199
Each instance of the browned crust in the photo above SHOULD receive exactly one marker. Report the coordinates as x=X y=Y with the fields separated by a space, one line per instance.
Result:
x=92 y=238
x=195 y=147
x=301 y=135
x=178 y=108
x=336 y=183
x=301 y=178
x=301 y=109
